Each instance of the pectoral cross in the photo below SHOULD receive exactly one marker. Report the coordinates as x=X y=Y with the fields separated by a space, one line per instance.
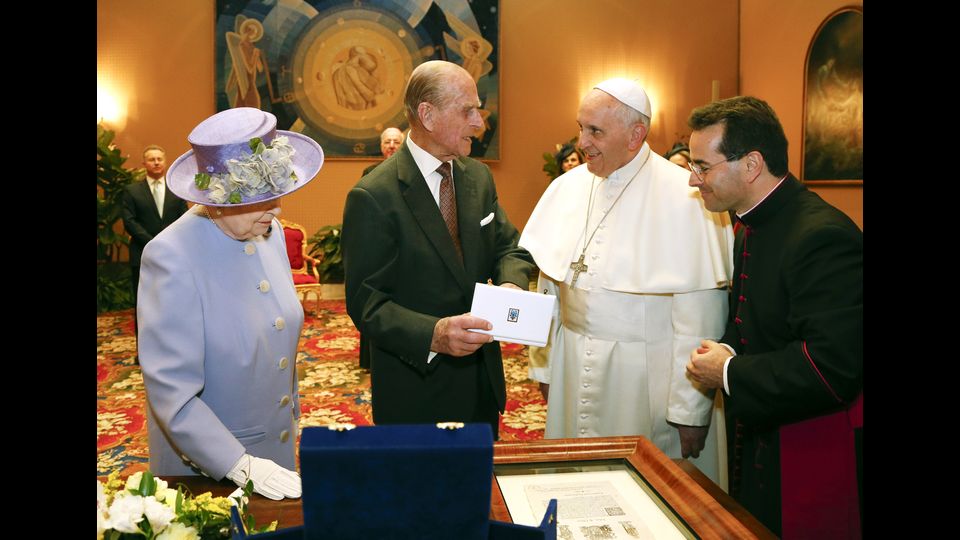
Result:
x=577 y=267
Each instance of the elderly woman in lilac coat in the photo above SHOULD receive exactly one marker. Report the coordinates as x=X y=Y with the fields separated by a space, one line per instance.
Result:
x=219 y=316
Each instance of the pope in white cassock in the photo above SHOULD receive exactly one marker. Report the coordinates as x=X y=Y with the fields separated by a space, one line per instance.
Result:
x=640 y=270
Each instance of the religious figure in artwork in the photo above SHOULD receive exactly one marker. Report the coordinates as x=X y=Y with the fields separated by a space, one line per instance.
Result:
x=471 y=46
x=354 y=82
x=248 y=61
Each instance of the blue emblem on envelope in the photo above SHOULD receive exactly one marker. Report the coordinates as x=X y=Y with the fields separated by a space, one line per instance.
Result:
x=513 y=314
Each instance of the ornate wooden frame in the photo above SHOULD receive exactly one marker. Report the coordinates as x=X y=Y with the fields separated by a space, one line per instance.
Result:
x=701 y=512
x=814 y=70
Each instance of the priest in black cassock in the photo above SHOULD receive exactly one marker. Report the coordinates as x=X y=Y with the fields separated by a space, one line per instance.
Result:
x=790 y=362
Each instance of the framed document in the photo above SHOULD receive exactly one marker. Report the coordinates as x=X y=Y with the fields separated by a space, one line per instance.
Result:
x=614 y=487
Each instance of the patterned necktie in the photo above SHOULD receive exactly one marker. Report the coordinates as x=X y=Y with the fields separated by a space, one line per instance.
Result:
x=157 y=187
x=448 y=205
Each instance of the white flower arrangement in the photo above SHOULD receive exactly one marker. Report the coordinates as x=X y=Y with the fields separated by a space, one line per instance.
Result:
x=145 y=507
x=268 y=169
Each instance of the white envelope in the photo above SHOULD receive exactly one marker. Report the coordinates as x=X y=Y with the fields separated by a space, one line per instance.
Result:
x=517 y=316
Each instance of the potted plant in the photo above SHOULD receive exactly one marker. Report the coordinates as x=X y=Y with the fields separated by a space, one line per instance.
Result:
x=325 y=246
x=113 y=277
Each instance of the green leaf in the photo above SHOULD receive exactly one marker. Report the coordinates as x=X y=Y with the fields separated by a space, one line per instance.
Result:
x=235 y=198
x=254 y=144
x=148 y=484
x=202 y=180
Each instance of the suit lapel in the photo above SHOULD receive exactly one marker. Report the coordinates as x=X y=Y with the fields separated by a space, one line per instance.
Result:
x=169 y=203
x=468 y=217
x=148 y=198
x=420 y=201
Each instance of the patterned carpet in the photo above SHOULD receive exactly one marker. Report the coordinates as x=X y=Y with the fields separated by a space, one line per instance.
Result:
x=333 y=388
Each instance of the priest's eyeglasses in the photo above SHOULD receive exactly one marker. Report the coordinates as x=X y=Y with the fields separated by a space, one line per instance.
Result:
x=701 y=172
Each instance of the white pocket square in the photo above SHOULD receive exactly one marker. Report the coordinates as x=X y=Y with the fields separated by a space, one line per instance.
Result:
x=486 y=220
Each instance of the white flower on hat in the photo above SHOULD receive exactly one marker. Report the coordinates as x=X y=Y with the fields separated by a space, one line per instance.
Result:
x=247 y=176
x=277 y=161
x=267 y=169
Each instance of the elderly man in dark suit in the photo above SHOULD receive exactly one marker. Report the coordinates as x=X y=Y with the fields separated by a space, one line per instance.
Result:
x=142 y=205
x=390 y=141
x=418 y=232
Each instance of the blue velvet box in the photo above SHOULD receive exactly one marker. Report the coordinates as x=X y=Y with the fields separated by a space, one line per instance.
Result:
x=393 y=481
x=401 y=481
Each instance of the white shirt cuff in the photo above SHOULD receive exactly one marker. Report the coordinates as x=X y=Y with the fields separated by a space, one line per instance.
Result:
x=430 y=356
x=726 y=366
x=726 y=385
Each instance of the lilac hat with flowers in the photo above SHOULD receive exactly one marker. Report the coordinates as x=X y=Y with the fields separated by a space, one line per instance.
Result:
x=240 y=157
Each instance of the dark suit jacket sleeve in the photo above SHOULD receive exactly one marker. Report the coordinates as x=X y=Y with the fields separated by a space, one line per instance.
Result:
x=820 y=368
x=513 y=263
x=370 y=248
x=129 y=213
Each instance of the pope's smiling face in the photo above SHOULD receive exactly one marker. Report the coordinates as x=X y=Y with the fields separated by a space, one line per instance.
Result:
x=607 y=140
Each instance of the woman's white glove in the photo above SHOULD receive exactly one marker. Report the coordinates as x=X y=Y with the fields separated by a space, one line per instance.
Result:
x=269 y=479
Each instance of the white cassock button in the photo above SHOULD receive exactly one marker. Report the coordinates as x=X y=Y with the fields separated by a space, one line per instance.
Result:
x=599 y=240
x=284 y=401
x=583 y=417
x=283 y=363
x=587 y=369
x=589 y=353
x=586 y=385
x=284 y=435
x=279 y=323
x=584 y=401
x=583 y=430
x=249 y=248
x=264 y=286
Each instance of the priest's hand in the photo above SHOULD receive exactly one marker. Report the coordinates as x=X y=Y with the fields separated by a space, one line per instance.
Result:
x=706 y=364
x=269 y=479
x=545 y=390
x=692 y=439
x=450 y=335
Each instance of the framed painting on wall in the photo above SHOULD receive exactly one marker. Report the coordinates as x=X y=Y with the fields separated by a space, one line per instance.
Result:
x=833 y=101
x=336 y=70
